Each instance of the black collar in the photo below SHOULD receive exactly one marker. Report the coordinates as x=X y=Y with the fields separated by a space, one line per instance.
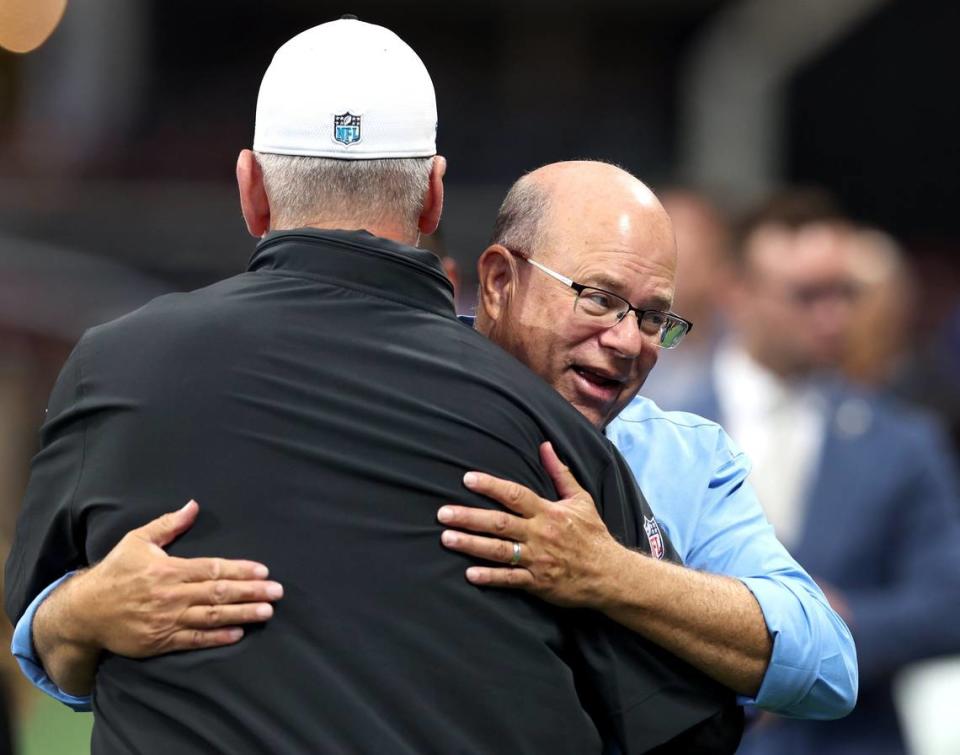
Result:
x=357 y=259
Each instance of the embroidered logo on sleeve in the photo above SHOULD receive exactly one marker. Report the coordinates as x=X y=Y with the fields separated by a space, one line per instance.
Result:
x=654 y=537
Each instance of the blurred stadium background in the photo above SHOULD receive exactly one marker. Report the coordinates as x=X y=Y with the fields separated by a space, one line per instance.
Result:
x=118 y=137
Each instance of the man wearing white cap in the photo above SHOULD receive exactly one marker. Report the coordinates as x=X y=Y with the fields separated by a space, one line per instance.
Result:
x=322 y=405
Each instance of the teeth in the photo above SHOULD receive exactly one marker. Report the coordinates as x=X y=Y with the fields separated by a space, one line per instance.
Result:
x=595 y=377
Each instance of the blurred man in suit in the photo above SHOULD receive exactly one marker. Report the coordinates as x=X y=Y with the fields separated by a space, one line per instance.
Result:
x=860 y=488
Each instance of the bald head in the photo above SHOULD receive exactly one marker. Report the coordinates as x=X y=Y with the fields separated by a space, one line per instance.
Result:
x=534 y=208
x=601 y=227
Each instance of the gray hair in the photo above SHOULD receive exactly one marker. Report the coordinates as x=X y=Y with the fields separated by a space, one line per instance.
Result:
x=520 y=219
x=307 y=190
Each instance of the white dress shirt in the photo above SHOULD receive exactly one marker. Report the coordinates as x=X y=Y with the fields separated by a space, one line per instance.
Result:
x=780 y=424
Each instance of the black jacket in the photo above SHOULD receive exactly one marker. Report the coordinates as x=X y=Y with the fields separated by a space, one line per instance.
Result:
x=321 y=407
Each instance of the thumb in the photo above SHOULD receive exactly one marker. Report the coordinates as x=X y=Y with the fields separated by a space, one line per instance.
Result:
x=165 y=529
x=563 y=479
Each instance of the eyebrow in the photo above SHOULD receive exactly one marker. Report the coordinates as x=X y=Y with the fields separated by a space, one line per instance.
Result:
x=603 y=280
x=615 y=286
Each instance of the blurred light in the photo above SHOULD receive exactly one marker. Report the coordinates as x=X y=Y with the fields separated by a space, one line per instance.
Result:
x=26 y=24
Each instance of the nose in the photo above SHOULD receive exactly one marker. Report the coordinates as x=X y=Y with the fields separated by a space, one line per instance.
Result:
x=625 y=338
x=831 y=317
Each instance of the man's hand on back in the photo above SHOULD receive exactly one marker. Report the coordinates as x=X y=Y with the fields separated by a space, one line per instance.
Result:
x=567 y=555
x=140 y=602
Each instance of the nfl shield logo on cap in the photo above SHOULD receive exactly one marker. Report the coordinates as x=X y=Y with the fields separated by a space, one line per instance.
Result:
x=346 y=128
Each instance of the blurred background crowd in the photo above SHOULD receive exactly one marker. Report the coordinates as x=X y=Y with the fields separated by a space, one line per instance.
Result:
x=806 y=153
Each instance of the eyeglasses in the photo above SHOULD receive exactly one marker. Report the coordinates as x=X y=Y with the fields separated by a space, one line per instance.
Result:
x=606 y=309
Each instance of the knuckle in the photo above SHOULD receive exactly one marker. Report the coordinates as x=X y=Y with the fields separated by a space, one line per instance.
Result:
x=216 y=568
x=559 y=527
x=558 y=514
x=550 y=571
x=196 y=638
x=159 y=573
x=501 y=521
x=213 y=615
x=514 y=492
x=154 y=622
x=160 y=598
x=219 y=591
x=154 y=635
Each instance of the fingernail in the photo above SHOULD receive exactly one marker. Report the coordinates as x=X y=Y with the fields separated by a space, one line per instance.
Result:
x=445 y=514
x=448 y=537
x=274 y=591
x=234 y=634
x=260 y=571
x=187 y=504
x=470 y=479
x=264 y=611
x=474 y=574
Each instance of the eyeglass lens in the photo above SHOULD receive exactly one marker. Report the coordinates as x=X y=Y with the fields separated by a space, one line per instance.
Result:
x=609 y=309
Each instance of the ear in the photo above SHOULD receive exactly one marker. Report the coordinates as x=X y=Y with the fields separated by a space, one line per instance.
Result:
x=253 y=194
x=498 y=274
x=433 y=201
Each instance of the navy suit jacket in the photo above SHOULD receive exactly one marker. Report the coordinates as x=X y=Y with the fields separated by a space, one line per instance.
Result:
x=882 y=526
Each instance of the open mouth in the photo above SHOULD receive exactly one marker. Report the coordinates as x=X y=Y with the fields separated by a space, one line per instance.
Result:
x=598 y=379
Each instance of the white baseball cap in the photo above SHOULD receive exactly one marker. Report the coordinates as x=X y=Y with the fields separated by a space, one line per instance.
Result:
x=349 y=90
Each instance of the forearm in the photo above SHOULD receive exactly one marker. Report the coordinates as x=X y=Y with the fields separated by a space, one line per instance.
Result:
x=711 y=621
x=69 y=657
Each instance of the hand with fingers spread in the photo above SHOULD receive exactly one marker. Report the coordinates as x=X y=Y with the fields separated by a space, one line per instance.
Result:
x=140 y=602
x=560 y=551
